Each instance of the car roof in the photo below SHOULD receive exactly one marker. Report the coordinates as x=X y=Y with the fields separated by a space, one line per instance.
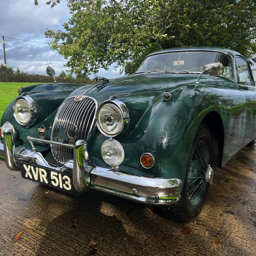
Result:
x=214 y=49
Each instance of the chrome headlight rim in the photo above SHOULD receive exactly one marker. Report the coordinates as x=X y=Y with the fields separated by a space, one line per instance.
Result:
x=32 y=108
x=124 y=112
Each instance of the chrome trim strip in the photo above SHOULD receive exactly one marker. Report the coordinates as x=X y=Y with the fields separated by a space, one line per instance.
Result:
x=157 y=191
x=30 y=139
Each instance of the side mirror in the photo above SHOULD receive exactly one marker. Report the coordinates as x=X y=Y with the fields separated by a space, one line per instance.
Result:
x=213 y=69
x=51 y=72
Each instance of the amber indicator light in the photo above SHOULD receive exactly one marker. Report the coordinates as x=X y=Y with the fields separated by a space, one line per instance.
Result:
x=147 y=160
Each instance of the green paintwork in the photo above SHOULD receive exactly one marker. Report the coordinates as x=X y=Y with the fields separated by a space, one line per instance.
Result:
x=165 y=129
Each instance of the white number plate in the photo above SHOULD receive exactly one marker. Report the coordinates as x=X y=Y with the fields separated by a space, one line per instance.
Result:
x=51 y=178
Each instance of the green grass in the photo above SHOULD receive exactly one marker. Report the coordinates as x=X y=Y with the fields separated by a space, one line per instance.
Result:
x=8 y=92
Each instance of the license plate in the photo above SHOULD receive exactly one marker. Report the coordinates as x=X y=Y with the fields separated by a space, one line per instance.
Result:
x=55 y=179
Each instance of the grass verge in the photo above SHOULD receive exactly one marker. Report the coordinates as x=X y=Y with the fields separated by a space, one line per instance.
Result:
x=8 y=92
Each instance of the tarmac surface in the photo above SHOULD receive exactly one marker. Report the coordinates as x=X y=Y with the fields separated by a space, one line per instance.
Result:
x=37 y=220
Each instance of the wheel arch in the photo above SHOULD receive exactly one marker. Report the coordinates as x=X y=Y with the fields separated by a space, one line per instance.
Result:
x=214 y=122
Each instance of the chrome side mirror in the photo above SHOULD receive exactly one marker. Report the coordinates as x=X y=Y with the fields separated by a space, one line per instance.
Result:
x=51 y=72
x=213 y=69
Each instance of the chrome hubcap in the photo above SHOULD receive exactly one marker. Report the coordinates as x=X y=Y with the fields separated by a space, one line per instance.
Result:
x=209 y=175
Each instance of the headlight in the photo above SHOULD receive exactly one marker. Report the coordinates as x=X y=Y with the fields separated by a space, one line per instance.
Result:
x=112 y=152
x=24 y=110
x=112 y=117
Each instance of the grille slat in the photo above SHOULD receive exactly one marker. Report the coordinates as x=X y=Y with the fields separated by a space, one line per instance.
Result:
x=72 y=114
x=86 y=130
x=85 y=119
x=68 y=120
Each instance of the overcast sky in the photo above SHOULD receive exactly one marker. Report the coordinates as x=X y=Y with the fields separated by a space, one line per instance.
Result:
x=21 y=19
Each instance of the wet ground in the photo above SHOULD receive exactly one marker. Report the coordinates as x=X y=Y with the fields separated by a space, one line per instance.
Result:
x=35 y=220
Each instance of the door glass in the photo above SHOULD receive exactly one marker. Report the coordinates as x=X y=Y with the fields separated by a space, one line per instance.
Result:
x=243 y=72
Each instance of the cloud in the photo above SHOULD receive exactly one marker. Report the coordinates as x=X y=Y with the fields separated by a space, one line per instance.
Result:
x=21 y=19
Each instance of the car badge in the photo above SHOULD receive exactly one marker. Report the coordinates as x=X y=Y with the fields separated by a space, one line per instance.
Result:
x=72 y=133
x=61 y=136
x=78 y=97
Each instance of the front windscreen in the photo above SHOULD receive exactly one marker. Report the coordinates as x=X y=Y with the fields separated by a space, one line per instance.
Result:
x=190 y=62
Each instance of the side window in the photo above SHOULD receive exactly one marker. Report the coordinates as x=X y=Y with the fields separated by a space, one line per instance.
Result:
x=242 y=71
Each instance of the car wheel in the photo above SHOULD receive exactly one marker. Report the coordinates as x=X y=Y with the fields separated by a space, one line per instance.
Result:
x=199 y=175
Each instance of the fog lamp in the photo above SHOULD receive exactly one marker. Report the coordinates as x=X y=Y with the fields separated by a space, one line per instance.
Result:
x=147 y=160
x=112 y=152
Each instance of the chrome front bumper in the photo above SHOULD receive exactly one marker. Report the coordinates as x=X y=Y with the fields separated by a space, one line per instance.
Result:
x=156 y=191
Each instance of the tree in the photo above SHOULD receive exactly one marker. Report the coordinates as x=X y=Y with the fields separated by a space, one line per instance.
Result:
x=62 y=74
x=50 y=2
x=17 y=72
x=102 y=32
x=82 y=76
x=9 y=70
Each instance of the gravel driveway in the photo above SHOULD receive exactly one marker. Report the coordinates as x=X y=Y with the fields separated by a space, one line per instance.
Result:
x=35 y=220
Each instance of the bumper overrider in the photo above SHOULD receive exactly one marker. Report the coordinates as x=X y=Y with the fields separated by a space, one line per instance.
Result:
x=155 y=191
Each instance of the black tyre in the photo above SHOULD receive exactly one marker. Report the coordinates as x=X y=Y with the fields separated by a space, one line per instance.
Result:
x=196 y=185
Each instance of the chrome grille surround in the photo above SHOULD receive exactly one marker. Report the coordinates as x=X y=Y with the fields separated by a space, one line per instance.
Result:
x=72 y=113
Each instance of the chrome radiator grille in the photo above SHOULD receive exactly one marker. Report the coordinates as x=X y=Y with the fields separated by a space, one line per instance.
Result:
x=74 y=120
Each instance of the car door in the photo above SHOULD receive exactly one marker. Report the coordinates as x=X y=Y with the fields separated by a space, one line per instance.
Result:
x=245 y=82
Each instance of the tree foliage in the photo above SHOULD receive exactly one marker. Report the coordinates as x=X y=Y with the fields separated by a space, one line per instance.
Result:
x=20 y=76
x=50 y=2
x=102 y=32
x=9 y=69
x=62 y=74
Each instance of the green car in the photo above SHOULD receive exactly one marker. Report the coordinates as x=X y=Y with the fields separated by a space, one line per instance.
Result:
x=153 y=137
